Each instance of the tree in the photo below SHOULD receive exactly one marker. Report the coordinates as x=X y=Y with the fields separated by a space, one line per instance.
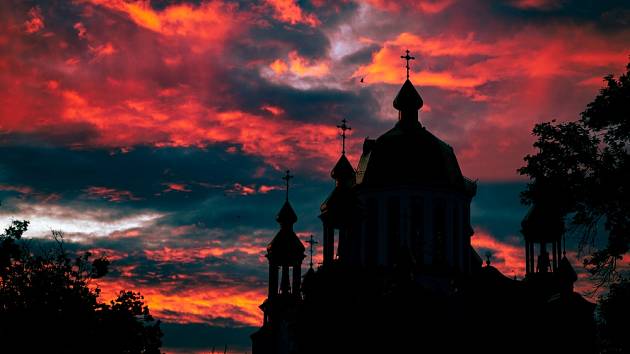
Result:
x=614 y=311
x=582 y=168
x=47 y=303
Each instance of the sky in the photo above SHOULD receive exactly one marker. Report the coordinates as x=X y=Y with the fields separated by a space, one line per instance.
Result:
x=157 y=132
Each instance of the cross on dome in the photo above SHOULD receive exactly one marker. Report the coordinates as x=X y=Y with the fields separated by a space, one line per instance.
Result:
x=287 y=177
x=343 y=126
x=407 y=58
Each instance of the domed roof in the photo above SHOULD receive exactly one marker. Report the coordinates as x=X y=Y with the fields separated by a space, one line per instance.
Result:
x=408 y=98
x=286 y=248
x=542 y=223
x=408 y=154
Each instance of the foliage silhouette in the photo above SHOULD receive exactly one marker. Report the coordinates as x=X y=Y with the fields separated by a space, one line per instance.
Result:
x=48 y=304
x=583 y=168
x=614 y=311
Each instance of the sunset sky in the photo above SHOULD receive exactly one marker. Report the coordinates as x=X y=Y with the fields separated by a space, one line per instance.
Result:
x=157 y=132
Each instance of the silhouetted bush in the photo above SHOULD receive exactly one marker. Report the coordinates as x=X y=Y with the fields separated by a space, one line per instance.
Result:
x=48 y=306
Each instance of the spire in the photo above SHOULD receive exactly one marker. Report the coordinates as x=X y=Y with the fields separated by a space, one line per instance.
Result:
x=407 y=58
x=408 y=100
x=287 y=178
x=343 y=126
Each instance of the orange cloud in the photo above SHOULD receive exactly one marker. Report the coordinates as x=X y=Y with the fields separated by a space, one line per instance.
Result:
x=203 y=304
x=103 y=50
x=506 y=257
x=266 y=189
x=530 y=53
x=187 y=255
x=240 y=189
x=300 y=66
x=211 y=21
x=290 y=12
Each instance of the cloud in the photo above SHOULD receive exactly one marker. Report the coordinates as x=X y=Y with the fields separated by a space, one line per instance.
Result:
x=35 y=22
x=110 y=194
x=290 y=12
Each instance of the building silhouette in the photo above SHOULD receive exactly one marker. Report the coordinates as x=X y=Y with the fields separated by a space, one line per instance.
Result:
x=399 y=273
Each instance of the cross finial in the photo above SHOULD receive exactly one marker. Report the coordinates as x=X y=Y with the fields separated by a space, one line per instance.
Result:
x=488 y=258
x=287 y=177
x=407 y=58
x=311 y=241
x=343 y=126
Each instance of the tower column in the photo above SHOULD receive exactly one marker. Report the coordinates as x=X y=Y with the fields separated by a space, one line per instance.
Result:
x=297 y=277
x=329 y=244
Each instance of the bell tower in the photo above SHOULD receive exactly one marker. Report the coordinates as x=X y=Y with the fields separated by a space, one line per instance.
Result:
x=542 y=228
x=337 y=211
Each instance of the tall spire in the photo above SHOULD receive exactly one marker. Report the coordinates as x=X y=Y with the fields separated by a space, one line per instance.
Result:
x=407 y=57
x=343 y=126
x=408 y=101
x=287 y=178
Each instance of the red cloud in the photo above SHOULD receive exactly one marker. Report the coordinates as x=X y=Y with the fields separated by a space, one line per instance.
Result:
x=110 y=194
x=35 y=22
x=426 y=6
x=176 y=187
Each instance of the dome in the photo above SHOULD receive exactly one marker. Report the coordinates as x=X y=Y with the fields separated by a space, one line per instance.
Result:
x=286 y=247
x=542 y=224
x=408 y=154
x=408 y=98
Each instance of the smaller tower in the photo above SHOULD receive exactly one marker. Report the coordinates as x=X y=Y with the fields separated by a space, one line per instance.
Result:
x=542 y=227
x=285 y=252
x=337 y=211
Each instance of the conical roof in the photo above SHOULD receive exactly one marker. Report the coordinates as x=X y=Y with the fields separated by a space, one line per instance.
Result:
x=343 y=170
x=286 y=215
x=408 y=98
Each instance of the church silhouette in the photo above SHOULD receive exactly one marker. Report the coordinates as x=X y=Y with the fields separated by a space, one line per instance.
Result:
x=399 y=273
